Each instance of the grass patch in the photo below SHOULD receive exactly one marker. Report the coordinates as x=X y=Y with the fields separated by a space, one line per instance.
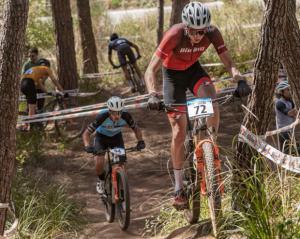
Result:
x=47 y=213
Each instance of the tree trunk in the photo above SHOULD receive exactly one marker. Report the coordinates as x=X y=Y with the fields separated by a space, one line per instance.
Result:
x=265 y=78
x=65 y=47
x=177 y=6
x=160 y=27
x=11 y=47
x=291 y=53
x=89 y=50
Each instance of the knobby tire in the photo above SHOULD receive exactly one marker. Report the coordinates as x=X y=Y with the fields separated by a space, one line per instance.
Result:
x=123 y=204
x=212 y=186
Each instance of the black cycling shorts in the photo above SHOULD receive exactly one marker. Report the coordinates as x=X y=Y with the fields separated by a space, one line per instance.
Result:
x=175 y=83
x=124 y=52
x=29 y=90
x=103 y=142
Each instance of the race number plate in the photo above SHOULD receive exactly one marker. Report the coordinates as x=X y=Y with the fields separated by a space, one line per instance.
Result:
x=118 y=151
x=199 y=108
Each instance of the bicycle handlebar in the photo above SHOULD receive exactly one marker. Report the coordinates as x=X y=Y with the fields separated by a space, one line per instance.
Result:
x=127 y=150
x=58 y=95
x=172 y=107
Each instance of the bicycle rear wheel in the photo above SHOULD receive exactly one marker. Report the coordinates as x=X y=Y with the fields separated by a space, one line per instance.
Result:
x=192 y=185
x=212 y=186
x=43 y=125
x=123 y=204
x=107 y=200
x=139 y=84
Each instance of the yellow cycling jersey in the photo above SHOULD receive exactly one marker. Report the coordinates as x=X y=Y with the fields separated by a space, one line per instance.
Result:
x=37 y=73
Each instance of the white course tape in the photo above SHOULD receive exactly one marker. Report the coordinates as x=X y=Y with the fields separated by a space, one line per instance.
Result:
x=9 y=232
x=285 y=161
x=81 y=114
x=93 y=109
x=79 y=94
x=4 y=205
x=46 y=95
x=79 y=109
x=221 y=64
x=283 y=129
x=97 y=75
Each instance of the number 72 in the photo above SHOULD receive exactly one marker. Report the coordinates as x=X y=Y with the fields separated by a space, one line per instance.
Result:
x=201 y=109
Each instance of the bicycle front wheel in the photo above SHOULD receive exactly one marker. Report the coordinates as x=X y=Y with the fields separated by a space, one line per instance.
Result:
x=192 y=186
x=123 y=204
x=107 y=200
x=212 y=186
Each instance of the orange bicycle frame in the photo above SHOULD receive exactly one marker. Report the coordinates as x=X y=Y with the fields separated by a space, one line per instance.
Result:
x=115 y=169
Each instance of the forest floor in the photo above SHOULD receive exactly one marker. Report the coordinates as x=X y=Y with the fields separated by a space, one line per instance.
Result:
x=149 y=180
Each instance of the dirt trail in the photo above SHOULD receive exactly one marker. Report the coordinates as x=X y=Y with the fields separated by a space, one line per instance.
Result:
x=150 y=185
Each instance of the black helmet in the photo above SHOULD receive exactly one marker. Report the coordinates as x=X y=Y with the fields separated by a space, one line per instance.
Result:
x=114 y=36
x=43 y=62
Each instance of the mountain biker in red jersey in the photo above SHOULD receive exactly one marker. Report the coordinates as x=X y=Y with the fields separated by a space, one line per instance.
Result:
x=178 y=54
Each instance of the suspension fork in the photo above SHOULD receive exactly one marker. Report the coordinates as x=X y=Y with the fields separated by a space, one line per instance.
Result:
x=200 y=165
x=116 y=168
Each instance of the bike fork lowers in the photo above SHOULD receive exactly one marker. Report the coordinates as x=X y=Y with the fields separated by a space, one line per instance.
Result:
x=201 y=162
x=115 y=195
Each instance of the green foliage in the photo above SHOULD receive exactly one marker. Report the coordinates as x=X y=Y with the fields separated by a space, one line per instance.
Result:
x=167 y=221
x=29 y=145
x=40 y=30
x=116 y=3
x=44 y=214
x=241 y=42
x=272 y=211
x=170 y=219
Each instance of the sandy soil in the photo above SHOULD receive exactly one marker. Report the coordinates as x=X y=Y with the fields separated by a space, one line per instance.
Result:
x=150 y=184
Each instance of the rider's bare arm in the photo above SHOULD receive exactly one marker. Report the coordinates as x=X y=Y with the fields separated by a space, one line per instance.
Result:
x=230 y=66
x=54 y=81
x=138 y=133
x=150 y=75
x=136 y=48
x=293 y=113
x=86 y=137
x=110 y=57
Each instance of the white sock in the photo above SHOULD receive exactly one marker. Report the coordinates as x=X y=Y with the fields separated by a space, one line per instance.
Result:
x=178 y=173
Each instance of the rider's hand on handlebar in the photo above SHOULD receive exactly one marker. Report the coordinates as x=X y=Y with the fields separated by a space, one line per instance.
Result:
x=238 y=77
x=89 y=149
x=140 y=145
x=154 y=102
x=57 y=93
x=242 y=89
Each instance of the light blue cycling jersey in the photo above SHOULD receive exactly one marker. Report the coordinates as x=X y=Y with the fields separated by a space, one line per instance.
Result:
x=105 y=126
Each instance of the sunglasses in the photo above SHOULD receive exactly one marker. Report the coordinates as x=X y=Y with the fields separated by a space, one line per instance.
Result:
x=116 y=113
x=193 y=32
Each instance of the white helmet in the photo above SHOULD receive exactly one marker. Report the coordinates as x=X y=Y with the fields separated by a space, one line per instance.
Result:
x=282 y=86
x=196 y=15
x=115 y=103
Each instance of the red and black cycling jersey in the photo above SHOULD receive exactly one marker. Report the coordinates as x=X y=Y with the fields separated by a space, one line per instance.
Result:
x=177 y=51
